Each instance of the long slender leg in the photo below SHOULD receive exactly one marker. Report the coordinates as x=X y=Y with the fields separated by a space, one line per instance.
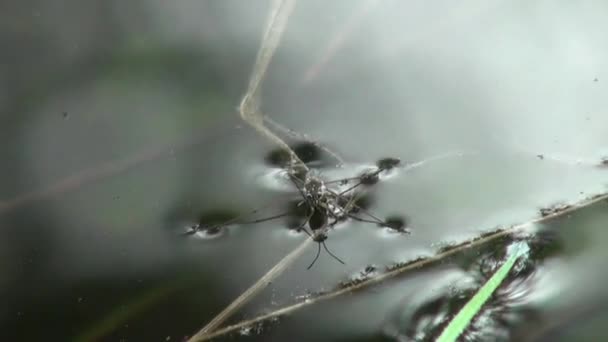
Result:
x=303 y=224
x=351 y=202
x=266 y=219
x=397 y=227
x=316 y=256
x=366 y=212
x=365 y=175
x=215 y=227
x=356 y=218
x=342 y=180
x=234 y=219
x=332 y=254
x=350 y=189
x=293 y=179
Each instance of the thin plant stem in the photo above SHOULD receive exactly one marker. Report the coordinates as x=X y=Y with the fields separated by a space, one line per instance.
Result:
x=406 y=267
x=251 y=292
x=465 y=316
x=249 y=107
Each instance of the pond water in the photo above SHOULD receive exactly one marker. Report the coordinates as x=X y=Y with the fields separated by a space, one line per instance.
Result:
x=117 y=146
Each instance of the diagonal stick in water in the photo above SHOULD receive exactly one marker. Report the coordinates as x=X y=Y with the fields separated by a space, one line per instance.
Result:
x=251 y=292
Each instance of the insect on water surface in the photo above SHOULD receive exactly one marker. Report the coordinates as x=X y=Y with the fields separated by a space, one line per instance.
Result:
x=319 y=204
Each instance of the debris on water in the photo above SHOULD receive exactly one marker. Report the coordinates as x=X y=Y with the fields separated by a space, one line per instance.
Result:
x=368 y=272
x=403 y=264
x=258 y=327
x=491 y=232
x=369 y=269
x=448 y=246
x=540 y=156
x=555 y=209
x=604 y=162
x=305 y=297
x=245 y=331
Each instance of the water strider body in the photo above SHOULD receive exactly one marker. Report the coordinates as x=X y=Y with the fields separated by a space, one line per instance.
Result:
x=325 y=207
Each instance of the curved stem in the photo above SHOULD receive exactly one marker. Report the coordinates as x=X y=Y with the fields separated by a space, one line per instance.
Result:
x=249 y=107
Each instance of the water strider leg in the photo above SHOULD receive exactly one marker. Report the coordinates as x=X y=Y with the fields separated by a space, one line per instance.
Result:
x=266 y=218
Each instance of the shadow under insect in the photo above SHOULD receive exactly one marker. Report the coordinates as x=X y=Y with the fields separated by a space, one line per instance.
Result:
x=316 y=205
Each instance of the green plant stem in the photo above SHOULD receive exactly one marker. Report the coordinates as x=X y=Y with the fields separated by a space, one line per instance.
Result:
x=464 y=317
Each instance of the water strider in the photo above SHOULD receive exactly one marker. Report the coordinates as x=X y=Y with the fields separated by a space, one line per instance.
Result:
x=319 y=204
